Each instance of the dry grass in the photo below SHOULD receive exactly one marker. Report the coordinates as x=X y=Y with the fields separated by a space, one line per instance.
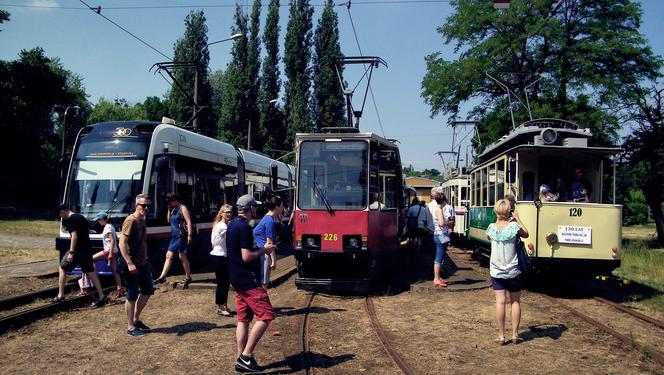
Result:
x=37 y=228
x=640 y=232
x=12 y=255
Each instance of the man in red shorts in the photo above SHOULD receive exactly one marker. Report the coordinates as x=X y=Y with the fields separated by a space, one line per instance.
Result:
x=244 y=269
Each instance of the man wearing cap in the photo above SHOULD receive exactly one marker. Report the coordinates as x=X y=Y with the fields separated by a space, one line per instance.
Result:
x=79 y=253
x=244 y=269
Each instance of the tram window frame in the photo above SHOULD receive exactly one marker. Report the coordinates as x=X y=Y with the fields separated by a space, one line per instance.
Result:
x=500 y=178
x=491 y=184
x=484 y=186
x=388 y=171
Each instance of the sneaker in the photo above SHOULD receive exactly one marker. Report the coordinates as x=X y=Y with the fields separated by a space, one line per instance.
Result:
x=247 y=363
x=160 y=280
x=135 y=332
x=141 y=327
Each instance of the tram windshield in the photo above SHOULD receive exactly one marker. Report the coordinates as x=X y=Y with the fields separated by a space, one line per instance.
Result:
x=105 y=176
x=333 y=175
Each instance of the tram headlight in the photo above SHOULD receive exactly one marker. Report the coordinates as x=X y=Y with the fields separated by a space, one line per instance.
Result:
x=551 y=239
x=311 y=241
x=352 y=242
x=548 y=136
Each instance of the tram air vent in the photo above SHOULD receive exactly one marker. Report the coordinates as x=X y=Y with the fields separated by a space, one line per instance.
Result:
x=575 y=142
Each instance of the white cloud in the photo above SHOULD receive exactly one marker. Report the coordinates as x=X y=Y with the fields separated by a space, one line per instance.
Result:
x=43 y=4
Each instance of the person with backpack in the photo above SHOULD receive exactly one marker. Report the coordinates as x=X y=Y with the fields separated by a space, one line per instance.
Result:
x=182 y=232
x=416 y=221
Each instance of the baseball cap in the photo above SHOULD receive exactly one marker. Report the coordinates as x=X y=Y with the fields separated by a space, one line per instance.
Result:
x=101 y=215
x=61 y=207
x=246 y=201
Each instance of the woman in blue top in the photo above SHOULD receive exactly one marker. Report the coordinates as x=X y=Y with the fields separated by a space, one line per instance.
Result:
x=177 y=213
x=504 y=266
x=266 y=232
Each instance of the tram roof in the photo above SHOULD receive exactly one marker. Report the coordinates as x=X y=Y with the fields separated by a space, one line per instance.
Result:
x=605 y=151
x=349 y=136
x=528 y=132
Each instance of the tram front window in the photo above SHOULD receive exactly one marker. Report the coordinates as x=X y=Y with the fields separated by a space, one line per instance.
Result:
x=333 y=174
x=105 y=176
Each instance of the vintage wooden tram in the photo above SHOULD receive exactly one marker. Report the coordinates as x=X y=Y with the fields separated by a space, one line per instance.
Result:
x=455 y=186
x=348 y=209
x=566 y=234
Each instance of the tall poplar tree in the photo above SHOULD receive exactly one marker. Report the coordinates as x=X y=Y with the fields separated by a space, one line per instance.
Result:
x=192 y=47
x=253 y=67
x=297 y=53
x=234 y=111
x=328 y=94
x=272 y=127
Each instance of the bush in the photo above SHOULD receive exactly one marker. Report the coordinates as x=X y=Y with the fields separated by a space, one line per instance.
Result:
x=635 y=209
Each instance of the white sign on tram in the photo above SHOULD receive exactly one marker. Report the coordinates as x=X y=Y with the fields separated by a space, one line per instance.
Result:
x=574 y=234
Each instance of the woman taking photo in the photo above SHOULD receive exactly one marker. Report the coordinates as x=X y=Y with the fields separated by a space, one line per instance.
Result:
x=219 y=257
x=178 y=216
x=504 y=267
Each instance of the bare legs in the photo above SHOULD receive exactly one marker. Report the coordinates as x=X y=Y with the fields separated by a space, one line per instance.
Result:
x=134 y=309
x=246 y=341
x=62 y=279
x=169 y=262
x=501 y=301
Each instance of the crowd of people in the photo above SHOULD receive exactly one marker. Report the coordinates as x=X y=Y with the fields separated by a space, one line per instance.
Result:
x=243 y=257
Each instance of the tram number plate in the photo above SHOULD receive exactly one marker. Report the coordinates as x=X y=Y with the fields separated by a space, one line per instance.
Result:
x=574 y=211
x=330 y=236
x=575 y=234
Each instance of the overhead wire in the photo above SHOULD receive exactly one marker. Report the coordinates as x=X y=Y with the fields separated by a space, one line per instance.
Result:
x=357 y=40
x=98 y=11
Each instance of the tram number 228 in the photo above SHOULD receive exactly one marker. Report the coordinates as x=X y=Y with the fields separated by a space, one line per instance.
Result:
x=330 y=236
x=574 y=211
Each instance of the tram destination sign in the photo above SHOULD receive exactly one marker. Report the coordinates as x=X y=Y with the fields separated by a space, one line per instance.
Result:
x=574 y=234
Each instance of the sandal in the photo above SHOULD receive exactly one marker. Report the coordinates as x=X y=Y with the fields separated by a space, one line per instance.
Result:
x=500 y=341
x=517 y=340
x=185 y=282
x=439 y=284
x=100 y=302
x=58 y=299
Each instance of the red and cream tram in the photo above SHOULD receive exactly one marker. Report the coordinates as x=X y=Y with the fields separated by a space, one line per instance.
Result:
x=347 y=215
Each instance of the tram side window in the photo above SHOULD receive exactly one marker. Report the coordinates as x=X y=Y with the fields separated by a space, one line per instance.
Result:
x=500 y=178
x=374 y=183
x=528 y=187
x=483 y=187
x=492 y=185
x=464 y=194
x=388 y=177
x=476 y=189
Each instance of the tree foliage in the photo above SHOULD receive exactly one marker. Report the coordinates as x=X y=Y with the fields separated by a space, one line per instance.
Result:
x=272 y=127
x=645 y=148
x=328 y=94
x=253 y=67
x=297 y=53
x=192 y=47
x=117 y=110
x=567 y=63
x=155 y=108
x=4 y=16
x=35 y=92
x=234 y=105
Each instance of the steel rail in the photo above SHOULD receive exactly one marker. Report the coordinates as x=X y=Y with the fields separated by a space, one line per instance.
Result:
x=389 y=349
x=627 y=310
x=305 y=355
x=654 y=354
x=26 y=317
x=23 y=299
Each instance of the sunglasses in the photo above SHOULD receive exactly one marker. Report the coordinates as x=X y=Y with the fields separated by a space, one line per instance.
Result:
x=145 y=206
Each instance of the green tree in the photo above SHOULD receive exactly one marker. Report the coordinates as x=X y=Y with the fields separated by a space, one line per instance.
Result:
x=35 y=92
x=117 y=110
x=4 y=16
x=297 y=53
x=582 y=53
x=217 y=84
x=192 y=47
x=645 y=149
x=328 y=94
x=272 y=127
x=253 y=67
x=155 y=108
x=234 y=110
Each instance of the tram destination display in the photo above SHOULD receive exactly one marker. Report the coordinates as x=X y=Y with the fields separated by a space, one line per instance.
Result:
x=574 y=234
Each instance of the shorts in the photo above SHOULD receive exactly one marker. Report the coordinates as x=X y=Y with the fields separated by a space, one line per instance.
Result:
x=84 y=259
x=140 y=281
x=441 y=249
x=511 y=285
x=253 y=303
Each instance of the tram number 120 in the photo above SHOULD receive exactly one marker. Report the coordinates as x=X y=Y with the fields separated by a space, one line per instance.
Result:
x=575 y=211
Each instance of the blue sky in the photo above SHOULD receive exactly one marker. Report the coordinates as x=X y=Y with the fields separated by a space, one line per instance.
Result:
x=114 y=65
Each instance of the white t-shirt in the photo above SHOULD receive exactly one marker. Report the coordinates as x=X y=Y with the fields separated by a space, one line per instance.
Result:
x=109 y=229
x=219 y=239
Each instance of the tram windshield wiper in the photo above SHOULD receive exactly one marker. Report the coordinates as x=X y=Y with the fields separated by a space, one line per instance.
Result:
x=319 y=191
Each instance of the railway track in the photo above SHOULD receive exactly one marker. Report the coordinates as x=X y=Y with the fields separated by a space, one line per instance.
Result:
x=390 y=350
x=22 y=318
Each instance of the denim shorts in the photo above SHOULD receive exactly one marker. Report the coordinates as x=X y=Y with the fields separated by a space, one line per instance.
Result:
x=511 y=285
x=441 y=249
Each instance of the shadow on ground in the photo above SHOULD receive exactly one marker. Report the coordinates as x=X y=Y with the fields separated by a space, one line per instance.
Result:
x=183 y=329
x=294 y=363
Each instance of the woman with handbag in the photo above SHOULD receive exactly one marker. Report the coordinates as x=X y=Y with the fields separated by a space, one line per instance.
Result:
x=182 y=231
x=506 y=276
